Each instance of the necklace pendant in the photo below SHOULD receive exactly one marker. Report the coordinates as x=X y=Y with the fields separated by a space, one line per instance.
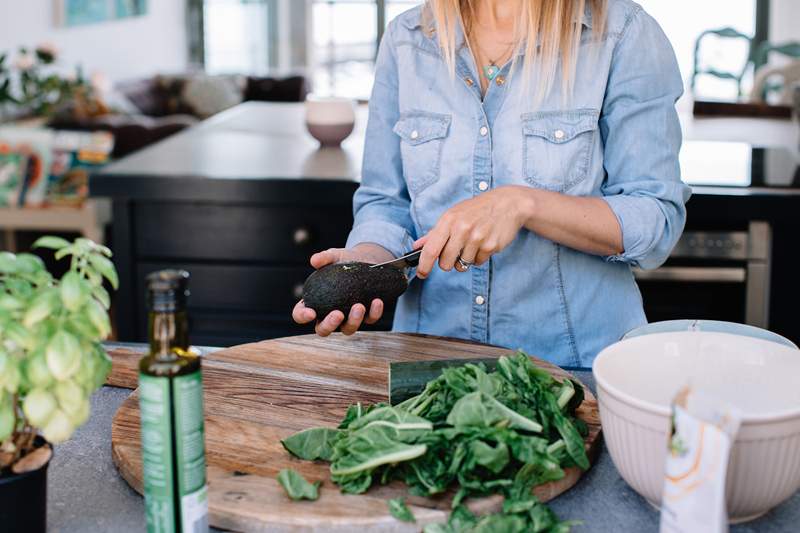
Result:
x=491 y=71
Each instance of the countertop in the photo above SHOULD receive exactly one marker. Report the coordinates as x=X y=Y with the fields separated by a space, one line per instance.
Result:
x=240 y=154
x=86 y=494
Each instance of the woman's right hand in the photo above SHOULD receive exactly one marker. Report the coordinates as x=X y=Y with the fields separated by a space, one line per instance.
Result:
x=365 y=252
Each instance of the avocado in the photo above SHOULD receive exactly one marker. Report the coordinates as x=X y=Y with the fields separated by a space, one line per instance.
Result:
x=342 y=285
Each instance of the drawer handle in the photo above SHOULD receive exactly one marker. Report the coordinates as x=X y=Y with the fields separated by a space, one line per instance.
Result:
x=297 y=290
x=301 y=236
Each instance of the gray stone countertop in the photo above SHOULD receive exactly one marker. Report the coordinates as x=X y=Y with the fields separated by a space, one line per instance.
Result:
x=86 y=494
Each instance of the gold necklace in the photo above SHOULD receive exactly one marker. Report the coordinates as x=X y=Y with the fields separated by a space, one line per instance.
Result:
x=491 y=70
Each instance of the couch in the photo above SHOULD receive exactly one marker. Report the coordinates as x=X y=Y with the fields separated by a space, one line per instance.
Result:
x=147 y=110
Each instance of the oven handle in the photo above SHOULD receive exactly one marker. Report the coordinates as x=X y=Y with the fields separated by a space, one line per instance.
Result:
x=693 y=274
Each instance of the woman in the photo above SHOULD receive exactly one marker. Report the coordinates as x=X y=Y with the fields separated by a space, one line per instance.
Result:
x=530 y=147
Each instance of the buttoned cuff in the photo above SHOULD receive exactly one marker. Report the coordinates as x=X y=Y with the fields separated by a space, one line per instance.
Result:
x=391 y=236
x=636 y=220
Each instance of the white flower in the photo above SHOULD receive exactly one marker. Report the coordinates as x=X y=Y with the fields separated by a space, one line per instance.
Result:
x=25 y=61
x=100 y=82
x=48 y=47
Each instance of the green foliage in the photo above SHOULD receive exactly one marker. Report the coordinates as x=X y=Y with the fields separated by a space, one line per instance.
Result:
x=471 y=430
x=50 y=332
x=32 y=82
x=296 y=486
x=399 y=510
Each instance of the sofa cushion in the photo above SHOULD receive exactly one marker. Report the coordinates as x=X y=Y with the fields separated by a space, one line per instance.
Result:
x=291 y=89
x=208 y=95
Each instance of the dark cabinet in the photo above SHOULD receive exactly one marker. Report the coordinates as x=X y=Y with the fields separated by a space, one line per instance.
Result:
x=248 y=258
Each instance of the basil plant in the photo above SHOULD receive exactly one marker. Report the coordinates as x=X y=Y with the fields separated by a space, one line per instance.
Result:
x=51 y=359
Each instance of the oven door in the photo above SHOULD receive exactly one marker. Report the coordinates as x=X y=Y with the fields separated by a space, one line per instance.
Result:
x=713 y=276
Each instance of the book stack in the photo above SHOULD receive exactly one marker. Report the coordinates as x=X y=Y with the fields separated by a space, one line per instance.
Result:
x=39 y=166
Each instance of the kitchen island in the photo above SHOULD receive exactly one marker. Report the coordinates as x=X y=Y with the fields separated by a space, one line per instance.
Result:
x=244 y=198
x=86 y=494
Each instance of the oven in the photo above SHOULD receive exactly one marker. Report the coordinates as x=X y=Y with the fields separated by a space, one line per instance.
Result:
x=714 y=275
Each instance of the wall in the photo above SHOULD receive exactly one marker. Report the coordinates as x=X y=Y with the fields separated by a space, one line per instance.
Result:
x=784 y=21
x=121 y=49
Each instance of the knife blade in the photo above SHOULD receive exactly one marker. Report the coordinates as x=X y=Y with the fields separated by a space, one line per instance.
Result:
x=408 y=260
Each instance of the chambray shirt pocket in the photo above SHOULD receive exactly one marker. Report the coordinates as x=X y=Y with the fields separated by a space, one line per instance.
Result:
x=422 y=135
x=557 y=147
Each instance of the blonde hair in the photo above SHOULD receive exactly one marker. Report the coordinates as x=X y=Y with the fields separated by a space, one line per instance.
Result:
x=547 y=31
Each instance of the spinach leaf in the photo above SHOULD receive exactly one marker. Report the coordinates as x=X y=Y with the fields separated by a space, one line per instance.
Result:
x=399 y=510
x=469 y=430
x=296 y=486
x=311 y=444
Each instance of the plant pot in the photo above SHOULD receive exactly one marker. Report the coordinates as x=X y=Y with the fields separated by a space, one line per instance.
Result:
x=23 y=500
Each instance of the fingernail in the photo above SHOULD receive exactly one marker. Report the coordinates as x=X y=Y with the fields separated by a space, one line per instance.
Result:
x=358 y=313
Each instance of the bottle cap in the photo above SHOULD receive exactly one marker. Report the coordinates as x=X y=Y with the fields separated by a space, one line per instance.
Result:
x=167 y=290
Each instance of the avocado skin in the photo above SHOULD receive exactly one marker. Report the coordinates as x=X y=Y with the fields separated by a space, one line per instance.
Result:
x=341 y=286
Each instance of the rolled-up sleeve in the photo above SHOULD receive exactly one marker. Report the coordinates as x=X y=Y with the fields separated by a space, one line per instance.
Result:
x=642 y=138
x=381 y=205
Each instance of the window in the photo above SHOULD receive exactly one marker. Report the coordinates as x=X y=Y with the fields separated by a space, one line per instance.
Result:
x=238 y=36
x=684 y=20
x=345 y=37
x=345 y=33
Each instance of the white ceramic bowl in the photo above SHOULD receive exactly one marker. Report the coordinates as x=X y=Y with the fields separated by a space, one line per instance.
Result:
x=638 y=377
x=330 y=120
x=719 y=326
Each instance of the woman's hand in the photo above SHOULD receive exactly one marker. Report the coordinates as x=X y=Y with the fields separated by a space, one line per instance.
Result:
x=474 y=229
x=367 y=253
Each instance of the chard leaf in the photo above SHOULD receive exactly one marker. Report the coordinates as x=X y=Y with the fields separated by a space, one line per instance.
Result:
x=479 y=409
x=296 y=486
x=312 y=444
x=493 y=458
x=399 y=510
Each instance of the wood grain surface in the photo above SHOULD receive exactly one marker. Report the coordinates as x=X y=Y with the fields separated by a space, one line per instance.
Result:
x=257 y=394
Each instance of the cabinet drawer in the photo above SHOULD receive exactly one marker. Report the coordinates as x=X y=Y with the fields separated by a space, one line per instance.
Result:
x=237 y=287
x=277 y=234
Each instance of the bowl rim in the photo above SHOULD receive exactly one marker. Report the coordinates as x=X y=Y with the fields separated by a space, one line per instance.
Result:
x=696 y=324
x=654 y=408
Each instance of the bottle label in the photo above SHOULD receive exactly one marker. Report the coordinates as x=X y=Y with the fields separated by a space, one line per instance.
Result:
x=173 y=463
x=191 y=453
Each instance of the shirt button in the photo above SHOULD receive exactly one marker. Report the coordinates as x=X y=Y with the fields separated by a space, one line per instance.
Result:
x=500 y=80
x=414 y=134
x=469 y=81
x=483 y=185
x=559 y=134
x=484 y=130
x=480 y=300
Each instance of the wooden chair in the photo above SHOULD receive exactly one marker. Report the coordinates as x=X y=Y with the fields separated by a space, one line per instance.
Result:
x=725 y=33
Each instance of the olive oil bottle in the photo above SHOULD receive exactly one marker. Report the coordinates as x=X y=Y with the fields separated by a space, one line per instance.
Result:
x=171 y=405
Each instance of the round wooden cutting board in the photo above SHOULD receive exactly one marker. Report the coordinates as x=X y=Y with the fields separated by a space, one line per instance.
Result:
x=257 y=394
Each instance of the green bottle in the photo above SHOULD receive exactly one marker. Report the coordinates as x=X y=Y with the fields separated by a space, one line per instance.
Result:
x=171 y=405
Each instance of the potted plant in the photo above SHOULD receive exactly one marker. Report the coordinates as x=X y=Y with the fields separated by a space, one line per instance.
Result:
x=51 y=361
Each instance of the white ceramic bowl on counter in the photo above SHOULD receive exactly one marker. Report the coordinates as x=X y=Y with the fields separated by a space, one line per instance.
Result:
x=330 y=120
x=638 y=377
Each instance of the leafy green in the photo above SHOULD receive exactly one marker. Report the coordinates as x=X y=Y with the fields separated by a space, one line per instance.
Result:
x=312 y=444
x=399 y=510
x=50 y=334
x=296 y=486
x=474 y=431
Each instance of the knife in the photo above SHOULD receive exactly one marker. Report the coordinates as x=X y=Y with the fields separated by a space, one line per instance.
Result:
x=408 y=260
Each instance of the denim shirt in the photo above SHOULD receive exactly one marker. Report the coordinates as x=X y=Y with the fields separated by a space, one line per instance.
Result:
x=432 y=141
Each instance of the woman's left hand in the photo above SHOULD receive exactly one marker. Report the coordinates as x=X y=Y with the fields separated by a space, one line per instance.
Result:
x=474 y=229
